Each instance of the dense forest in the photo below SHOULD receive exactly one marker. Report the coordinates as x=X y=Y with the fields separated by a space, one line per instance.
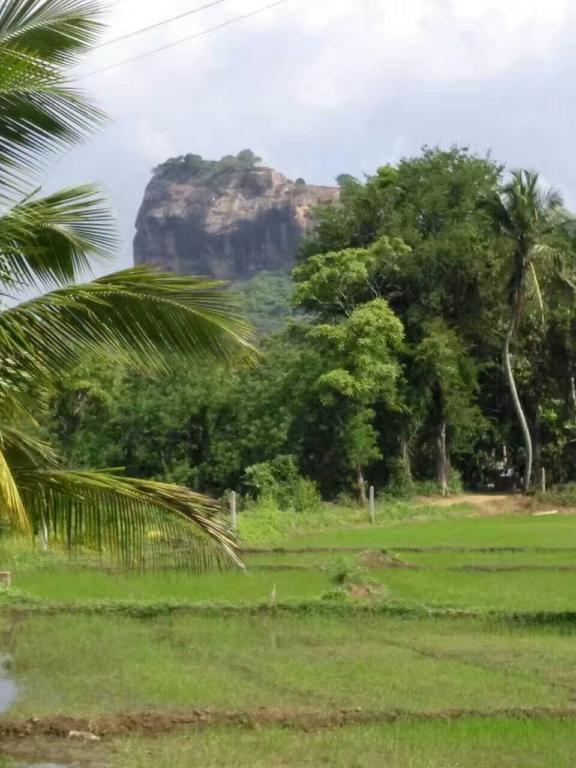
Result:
x=426 y=335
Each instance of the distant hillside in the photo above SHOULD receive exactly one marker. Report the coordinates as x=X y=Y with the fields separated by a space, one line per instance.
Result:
x=230 y=218
x=265 y=300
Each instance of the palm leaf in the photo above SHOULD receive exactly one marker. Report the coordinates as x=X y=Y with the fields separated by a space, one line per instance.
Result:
x=24 y=451
x=39 y=111
x=49 y=241
x=12 y=509
x=136 y=522
x=55 y=31
x=136 y=316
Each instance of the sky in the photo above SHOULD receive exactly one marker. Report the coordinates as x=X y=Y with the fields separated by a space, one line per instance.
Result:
x=323 y=87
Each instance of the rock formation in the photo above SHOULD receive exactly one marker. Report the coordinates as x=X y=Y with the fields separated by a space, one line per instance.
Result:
x=230 y=218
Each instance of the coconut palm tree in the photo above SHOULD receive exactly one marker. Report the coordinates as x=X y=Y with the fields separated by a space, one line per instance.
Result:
x=135 y=317
x=527 y=216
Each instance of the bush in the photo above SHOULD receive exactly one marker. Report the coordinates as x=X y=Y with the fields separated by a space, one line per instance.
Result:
x=400 y=481
x=432 y=487
x=280 y=481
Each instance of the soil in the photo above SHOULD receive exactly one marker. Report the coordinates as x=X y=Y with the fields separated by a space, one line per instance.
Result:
x=125 y=723
x=374 y=559
x=484 y=503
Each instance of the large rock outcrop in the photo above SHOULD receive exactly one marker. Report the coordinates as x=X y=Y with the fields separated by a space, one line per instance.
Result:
x=230 y=218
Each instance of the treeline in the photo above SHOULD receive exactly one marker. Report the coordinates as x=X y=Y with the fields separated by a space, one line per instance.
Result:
x=432 y=336
x=184 y=167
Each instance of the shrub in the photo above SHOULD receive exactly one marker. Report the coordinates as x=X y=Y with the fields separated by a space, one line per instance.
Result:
x=432 y=487
x=279 y=480
x=400 y=481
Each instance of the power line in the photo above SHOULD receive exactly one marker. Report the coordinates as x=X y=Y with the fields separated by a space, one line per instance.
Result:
x=204 y=32
x=160 y=23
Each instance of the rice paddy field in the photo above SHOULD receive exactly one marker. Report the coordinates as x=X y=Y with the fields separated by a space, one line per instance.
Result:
x=416 y=643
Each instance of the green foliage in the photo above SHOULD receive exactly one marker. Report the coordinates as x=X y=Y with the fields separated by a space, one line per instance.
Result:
x=184 y=167
x=266 y=300
x=280 y=481
x=400 y=481
x=381 y=358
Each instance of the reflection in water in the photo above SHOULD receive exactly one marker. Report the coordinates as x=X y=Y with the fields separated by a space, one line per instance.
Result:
x=8 y=689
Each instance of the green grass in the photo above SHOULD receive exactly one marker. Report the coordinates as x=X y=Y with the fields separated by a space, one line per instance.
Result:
x=513 y=531
x=512 y=591
x=490 y=559
x=87 y=665
x=433 y=560
x=470 y=744
x=515 y=591
x=227 y=587
x=264 y=523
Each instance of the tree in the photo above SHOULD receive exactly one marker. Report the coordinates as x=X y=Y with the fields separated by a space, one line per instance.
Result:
x=527 y=217
x=360 y=368
x=447 y=379
x=134 y=317
x=427 y=250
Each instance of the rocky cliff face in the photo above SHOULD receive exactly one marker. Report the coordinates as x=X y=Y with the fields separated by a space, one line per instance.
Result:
x=222 y=218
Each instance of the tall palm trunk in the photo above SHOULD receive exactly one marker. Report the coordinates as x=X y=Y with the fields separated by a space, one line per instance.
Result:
x=514 y=393
x=537 y=446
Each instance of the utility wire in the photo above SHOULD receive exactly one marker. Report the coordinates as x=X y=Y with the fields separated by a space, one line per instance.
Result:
x=160 y=23
x=203 y=33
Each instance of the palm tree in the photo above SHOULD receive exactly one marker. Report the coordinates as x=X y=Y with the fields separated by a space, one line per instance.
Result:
x=135 y=317
x=527 y=216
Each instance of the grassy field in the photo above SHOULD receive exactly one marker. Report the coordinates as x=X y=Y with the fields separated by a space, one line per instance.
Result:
x=377 y=663
x=500 y=744
x=513 y=531
x=482 y=590
x=227 y=587
x=327 y=655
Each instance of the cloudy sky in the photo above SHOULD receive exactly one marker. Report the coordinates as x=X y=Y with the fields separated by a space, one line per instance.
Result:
x=321 y=87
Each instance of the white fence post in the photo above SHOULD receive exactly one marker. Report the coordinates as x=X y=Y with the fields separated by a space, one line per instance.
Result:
x=543 y=480
x=233 y=514
x=371 y=503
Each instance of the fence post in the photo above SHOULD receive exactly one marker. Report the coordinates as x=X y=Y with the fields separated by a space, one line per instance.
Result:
x=233 y=509
x=371 y=503
x=543 y=480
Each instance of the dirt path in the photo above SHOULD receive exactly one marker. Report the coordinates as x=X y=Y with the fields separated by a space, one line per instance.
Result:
x=484 y=503
x=124 y=723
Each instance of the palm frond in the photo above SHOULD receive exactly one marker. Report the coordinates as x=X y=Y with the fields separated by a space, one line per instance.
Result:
x=55 y=31
x=39 y=111
x=138 y=523
x=11 y=506
x=499 y=216
x=49 y=241
x=137 y=316
x=23 y=450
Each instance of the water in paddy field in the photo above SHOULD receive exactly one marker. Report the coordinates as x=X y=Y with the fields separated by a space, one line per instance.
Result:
x=8 y=694
x=8 y=689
